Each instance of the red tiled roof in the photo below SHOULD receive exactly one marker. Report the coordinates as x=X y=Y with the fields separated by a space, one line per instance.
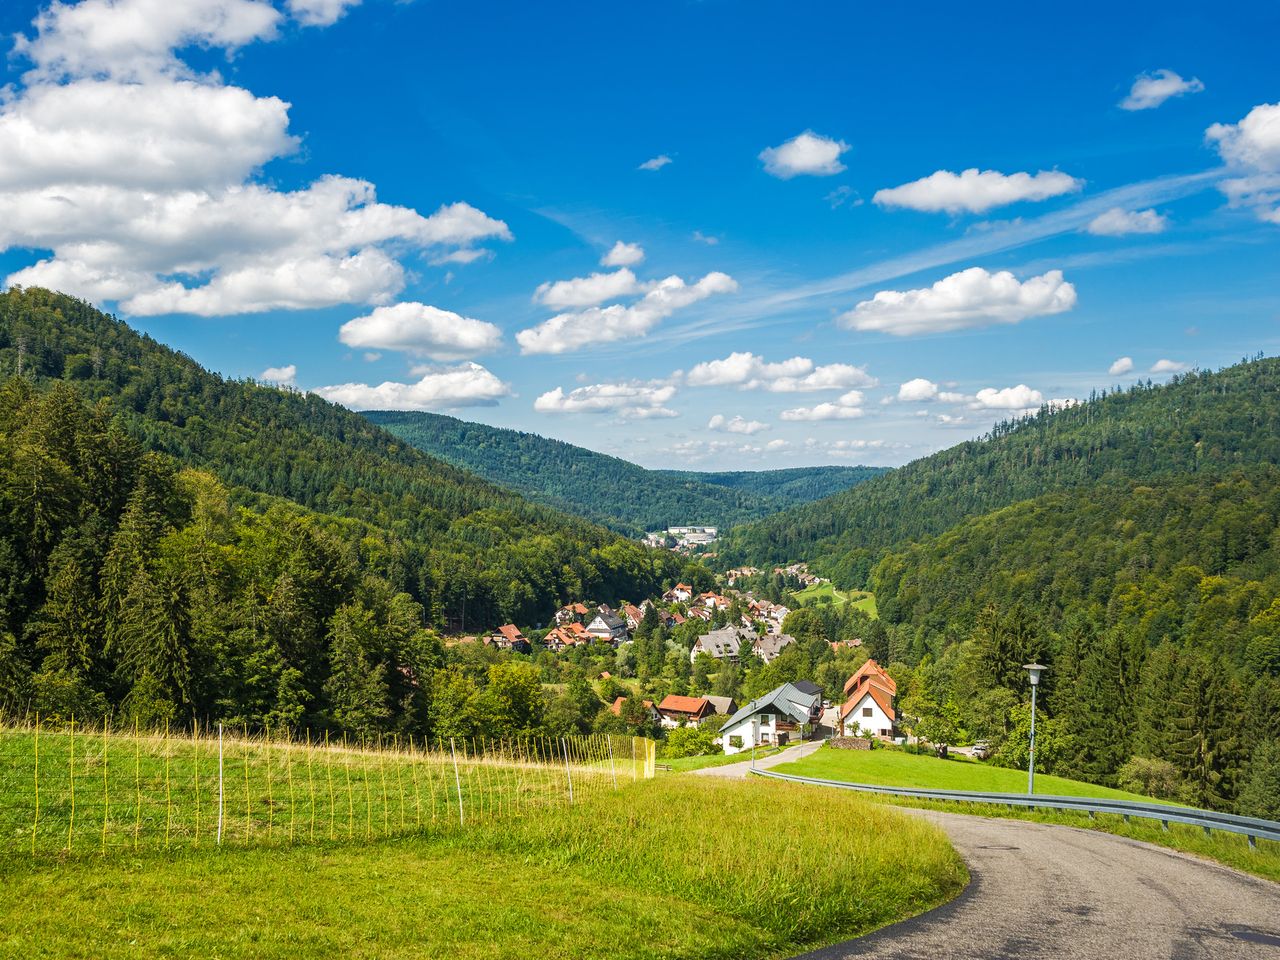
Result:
x=870 y=669
x=511 y=632
x=693 y=706
x=882 y=697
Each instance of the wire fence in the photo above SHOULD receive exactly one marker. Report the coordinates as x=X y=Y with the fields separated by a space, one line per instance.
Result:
x=68 y=789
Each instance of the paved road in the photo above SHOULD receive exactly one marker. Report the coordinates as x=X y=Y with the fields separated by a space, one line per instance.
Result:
x=1043 y=891
x=737 y=771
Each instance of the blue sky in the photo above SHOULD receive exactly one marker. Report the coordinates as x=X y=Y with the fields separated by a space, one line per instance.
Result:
x=695 y=234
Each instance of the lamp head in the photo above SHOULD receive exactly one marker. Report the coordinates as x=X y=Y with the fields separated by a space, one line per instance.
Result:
x=1034 y=669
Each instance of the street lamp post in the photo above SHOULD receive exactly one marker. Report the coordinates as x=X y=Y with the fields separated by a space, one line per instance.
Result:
x=1034 y=669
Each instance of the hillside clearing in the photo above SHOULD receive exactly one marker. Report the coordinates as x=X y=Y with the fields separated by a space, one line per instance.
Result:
x=858 y=599
x=619 y=876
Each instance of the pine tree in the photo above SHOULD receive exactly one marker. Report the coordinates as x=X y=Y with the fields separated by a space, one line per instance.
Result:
x=357 y=685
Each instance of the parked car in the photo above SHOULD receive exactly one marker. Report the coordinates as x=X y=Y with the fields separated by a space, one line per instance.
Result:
x=981 y=750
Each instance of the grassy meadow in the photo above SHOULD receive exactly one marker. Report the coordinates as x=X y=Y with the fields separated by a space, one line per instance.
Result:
x=896 y=768
x=685 y=764
x=104 y=792
x=644 y=871
x=860 y=599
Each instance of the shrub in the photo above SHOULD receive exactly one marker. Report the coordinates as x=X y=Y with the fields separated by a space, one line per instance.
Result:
x=690 y=742
x=1154 y=778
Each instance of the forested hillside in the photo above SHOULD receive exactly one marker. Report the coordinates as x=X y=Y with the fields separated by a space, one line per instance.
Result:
x=1198 y=421
x=1131 y=543
x=607 y=489
x=302 y=542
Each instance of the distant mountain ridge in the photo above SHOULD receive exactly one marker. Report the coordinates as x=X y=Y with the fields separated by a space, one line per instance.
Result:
x=610 y=490
x=1198 y=421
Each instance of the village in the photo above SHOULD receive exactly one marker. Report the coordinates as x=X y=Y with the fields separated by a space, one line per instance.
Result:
x=726 y=628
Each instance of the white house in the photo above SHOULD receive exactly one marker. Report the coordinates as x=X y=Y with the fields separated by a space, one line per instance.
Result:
x=770 y=645
x=786 y=713
x=607 y=628
x=869 y=709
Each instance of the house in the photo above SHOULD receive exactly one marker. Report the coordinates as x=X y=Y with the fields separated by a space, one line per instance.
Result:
x=869 y=706
x=723 y=644
x=770 y=645
x=607 y=628
x=782 y=715
x=616 y=708
x=571 y=613
x=713 y=601
x=677 y=711
x=570 y=635
x=509 y=637
x=724 y=706
x=702 y=613
x=681 y=593
x=633 y=615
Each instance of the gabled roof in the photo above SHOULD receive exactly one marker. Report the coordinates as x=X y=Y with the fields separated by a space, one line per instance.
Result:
x=867 y=670
x=772 y=644
x=882 y=697
x=609 y=620
x=807 y=686
x=723 y=705
x=787 y=699
x=511 y=632
x=725 y=642
x=694 y=706
x=616 y=707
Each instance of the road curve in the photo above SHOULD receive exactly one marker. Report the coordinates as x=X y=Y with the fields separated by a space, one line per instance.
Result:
x=1041 y=891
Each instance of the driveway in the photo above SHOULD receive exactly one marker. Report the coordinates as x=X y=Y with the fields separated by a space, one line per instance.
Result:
x=1042 y=891
x=737 y=771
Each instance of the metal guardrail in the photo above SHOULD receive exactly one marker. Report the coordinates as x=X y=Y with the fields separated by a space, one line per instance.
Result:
x=1208 y=820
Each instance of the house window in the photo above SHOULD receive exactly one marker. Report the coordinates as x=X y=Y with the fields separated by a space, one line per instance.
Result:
x=866 y=711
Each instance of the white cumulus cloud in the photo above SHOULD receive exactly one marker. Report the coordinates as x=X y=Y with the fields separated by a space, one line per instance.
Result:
x=1020 y=397
x=319 y=13
x=808 y=154
x=136 y=174
x=1117 y=222
x=656 y=163
x=570 y=331
x=1149 y=90
x=735 y=424
x=847 y=407
x=286 y=376
x=747 y=371
x=633 y=400
x=970 y=298
x=1252 y=149
x=976 y=191
x=588 y=291
x=1168 y=366
x=421 y=330
x=918 y=390
x=1122 y=365
x=623 y=255
x=466 y=385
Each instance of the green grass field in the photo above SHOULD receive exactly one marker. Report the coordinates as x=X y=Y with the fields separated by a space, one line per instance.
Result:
x=896 y=768
x=685 y=764
x=861 y=599
x=639 y=872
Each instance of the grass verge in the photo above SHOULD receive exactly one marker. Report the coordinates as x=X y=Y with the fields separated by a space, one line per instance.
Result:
x=686 y=764
x=894 y=768
x=619 y=876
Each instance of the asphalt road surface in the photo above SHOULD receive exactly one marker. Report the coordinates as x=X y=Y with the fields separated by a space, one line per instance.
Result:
x=1039 y=890
x=737 y=771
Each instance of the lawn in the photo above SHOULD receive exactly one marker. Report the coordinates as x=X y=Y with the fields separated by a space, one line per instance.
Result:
x=620 y=875
x=897 y=768
x=861 y=599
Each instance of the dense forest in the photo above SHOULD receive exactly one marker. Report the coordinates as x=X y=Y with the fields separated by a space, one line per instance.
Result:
x=209 y=547
x=1199 y=421
x=1131 y=543
x=608 y=490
